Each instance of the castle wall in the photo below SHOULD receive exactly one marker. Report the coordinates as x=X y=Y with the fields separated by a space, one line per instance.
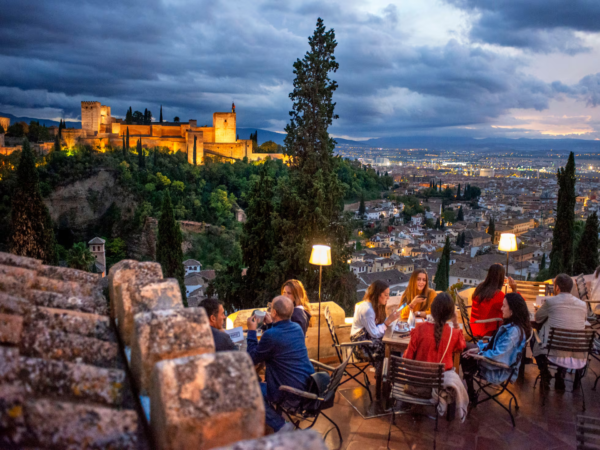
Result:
x=91 y=116
x=199 y=135
x=105 y=117
x=225 y=127
x=208 y=133
x=138 y=130
x=72 y=135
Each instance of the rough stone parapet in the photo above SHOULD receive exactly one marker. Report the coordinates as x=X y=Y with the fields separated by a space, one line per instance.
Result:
x=206 y=401
x=94 y=305
x=10 y=304
x=292 y=440
x=168 y=334
x=63 y=379
x=8 y=259
x=41 y=342
x=11 y=327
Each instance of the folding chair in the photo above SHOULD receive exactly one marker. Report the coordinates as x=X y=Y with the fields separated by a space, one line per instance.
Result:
x=312 y=404
x=588 y=433
x=575 y=341
x=464 y=314
x=485 y=386
x=348 y=349
x=401 y=372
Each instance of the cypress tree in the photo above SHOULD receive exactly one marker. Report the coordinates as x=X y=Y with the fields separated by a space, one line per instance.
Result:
x=561 y=256
x=543 y=262
x=141 y=158
x=587 y=250
x=442 y=275
x=57 y=143
x=127 y=142
x=161 y=114
x=32 y=233
x=195 y=138
x=458 y=192
x=124 y=148
x=168 y=244
x=442 y=224
x=129 y=118
x=361 y=208
x=461 y=214
x=491 y=229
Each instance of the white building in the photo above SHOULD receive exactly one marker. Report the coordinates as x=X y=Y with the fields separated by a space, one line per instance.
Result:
x=192 y=266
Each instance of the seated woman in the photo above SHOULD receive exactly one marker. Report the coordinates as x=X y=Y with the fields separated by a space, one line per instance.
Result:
x=418 y=296
x=370 y=322
x=487 y=301
x=505 y=347
x=436 y=342
x=294 y=290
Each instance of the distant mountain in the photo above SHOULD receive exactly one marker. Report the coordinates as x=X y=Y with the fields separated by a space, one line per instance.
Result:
x=48 y=123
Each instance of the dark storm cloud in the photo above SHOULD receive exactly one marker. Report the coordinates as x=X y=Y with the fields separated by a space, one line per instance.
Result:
x=537 y=25
x=196 y=57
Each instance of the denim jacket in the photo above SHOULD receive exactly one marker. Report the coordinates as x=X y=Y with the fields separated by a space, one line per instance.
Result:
x=505 y=347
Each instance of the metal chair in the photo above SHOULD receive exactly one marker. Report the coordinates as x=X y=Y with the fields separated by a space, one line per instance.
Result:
x=310 y=405
x=596 y=355
x=588 y=433
x=575 y=341
x=485 y=386
x=464 y=314
x=584 y=295
x=402 y=373
x=348 y=349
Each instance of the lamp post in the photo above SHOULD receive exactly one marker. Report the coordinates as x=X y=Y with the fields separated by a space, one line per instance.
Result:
x=320 y=256
x=508 y=243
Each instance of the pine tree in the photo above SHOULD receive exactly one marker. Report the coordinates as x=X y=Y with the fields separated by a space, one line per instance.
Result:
x=195 y=138
x=458 y=192
x=32 y=232
x=491 y=228
x=161 y=119
x=543 y=262
x=561 y=256
x=362 y=210
x=141 y=158
x=168 y=244
x=587 y=250
x=461 y=214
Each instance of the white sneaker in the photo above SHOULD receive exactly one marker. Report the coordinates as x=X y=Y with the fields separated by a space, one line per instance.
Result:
x=289 y=426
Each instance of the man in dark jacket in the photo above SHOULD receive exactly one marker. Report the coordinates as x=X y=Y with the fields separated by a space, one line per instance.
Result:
x=216 y=318
x=283 y=349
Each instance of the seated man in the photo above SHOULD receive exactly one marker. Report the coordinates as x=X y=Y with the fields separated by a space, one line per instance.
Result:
x=216 y=318
x=283 y=349
x=563 y=310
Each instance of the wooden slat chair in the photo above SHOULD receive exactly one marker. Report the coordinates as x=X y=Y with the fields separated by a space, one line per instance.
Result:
x=588 y=433
x=344 y=350
x=530 y=290
x=464 y=314
x=310 y=405
x=596 y=356
x=401 y=372
x=584 y=295
x=577 y=341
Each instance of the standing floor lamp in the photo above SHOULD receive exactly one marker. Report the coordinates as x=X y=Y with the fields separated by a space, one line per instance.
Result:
x=508 y=243
x=320 y=256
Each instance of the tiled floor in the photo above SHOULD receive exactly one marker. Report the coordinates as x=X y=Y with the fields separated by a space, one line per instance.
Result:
x=487 y=427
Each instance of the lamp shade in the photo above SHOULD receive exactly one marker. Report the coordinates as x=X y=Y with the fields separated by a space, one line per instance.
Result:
x=508 y=242
x=321 y=255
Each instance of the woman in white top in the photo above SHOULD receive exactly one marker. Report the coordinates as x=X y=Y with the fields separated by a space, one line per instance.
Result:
x=370 y=322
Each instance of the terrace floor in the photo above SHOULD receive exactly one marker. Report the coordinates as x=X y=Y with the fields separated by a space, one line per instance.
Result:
x=487 y=427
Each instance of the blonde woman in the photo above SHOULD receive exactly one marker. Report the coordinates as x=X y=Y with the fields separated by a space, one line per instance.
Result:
x=418 y=296
x=294 y=290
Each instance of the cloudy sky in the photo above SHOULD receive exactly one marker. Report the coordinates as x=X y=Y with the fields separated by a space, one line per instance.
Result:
x=513 y=68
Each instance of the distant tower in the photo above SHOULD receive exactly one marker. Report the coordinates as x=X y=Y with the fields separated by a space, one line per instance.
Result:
x=96 y=246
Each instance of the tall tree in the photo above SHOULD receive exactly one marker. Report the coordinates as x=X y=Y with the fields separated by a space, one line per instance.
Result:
x=458 y=193
x=195 y=138
x=127 y=142
x=461 y=215
x=543 y=262
x=140 y=151
x=491 y=228
x=442 y=275
x=587 y=250
x=161 y=114
x=124 y=148
x=168 y=245
x=361 y=207
x=56 y=143
x=561 y=256
x=32 y=233
x=129 y=116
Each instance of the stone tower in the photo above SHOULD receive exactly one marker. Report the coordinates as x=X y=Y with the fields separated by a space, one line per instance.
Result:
x=225 y=127
x=91 y=117
x=96 y=246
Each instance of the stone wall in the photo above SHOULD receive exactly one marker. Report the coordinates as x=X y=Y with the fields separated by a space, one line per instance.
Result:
x=225 y=127
x=91 y=117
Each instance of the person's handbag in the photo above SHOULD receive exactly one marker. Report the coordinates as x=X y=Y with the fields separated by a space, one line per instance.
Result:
x=423 y=392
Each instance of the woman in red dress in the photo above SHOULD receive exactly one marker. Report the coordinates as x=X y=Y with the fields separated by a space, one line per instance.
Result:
x=487 y=301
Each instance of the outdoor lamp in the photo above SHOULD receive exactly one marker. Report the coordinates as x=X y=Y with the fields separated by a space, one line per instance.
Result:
x=508 y=243
x=320 y=256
